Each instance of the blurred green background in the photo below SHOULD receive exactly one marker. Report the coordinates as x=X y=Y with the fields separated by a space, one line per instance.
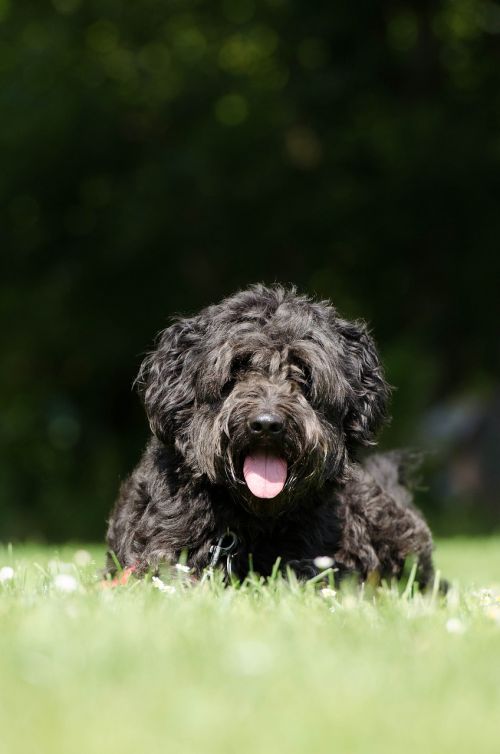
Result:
x=158 y=155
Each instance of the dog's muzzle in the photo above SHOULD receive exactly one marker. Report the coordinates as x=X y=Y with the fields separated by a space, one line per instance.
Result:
x=265 y=471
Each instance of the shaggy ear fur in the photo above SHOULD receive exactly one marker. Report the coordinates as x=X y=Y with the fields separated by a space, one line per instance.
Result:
x=367 y=403
x=166 y=379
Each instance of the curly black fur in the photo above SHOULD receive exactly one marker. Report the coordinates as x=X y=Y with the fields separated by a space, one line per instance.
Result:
x=267 y=350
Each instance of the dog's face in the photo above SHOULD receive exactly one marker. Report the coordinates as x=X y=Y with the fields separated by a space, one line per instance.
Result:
x=266 y=393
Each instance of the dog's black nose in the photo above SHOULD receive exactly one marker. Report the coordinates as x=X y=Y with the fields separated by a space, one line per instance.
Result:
x=266 y=425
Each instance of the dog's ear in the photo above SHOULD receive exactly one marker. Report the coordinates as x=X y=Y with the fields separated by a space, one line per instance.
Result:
x=166 y=379
x=369 y=392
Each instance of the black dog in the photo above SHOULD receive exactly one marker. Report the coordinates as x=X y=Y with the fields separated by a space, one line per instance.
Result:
x=259 y=407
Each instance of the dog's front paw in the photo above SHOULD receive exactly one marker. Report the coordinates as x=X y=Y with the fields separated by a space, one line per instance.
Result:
x=303 y=569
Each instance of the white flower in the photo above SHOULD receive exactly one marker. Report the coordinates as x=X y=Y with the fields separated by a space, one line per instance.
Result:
x=488 y=597
x=485 y=596
x=63 y=582
x=183 y=568
x=328 y=593
x=484 y=593
x=323 y=561
x=82 y=558
x=455 y=626
x=6 y=573
x=159 y=584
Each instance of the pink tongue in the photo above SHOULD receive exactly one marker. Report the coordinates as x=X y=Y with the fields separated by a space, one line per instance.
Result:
x=264 y=474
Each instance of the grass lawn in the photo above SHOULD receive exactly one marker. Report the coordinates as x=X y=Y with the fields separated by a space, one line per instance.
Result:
x=280 y=668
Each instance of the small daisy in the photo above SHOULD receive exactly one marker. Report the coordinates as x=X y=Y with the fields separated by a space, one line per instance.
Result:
x=323 y=562
x=6 y=573
x=159 y=584
x=485 y=596
x=328 y=593
x=455 y=626
x=64 y=582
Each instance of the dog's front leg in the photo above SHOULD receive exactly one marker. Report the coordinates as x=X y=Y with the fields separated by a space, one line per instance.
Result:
x=303 y=569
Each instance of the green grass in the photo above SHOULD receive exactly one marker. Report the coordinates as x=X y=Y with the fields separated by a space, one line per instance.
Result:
x=278 y=668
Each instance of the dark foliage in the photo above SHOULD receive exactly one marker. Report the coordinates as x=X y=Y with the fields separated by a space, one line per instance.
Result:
x=158 y=155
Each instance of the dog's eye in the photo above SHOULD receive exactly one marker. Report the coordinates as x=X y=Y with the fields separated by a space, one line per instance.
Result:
x=306 y=383
x=306 y=386
x=301 y=375
x=239 y=364
x=227 y=388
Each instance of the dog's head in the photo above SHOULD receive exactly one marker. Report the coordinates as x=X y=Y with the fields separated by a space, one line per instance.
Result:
x=268 y=393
